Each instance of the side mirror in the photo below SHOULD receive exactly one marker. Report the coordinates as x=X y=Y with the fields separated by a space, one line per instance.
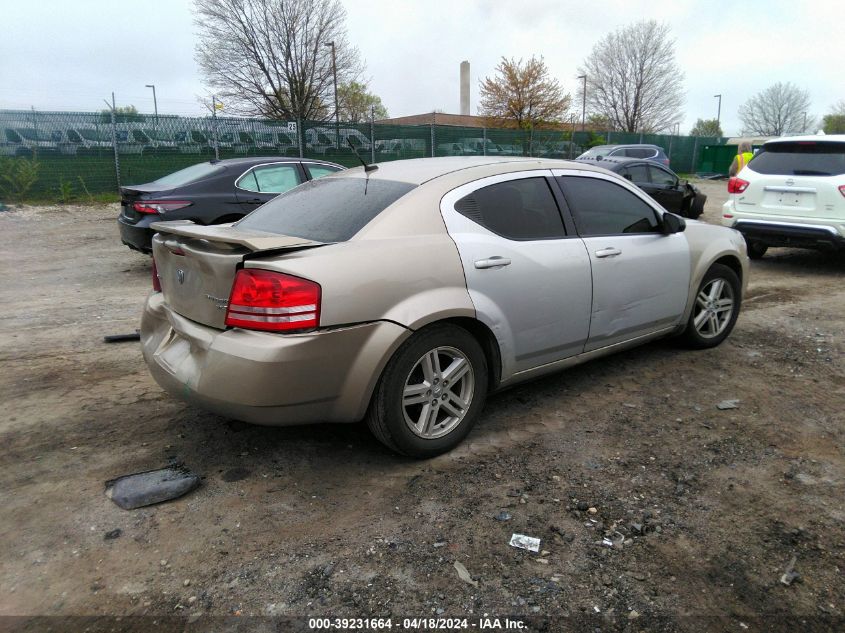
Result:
x=673 y=224
x=629 y=177
x=683 y=183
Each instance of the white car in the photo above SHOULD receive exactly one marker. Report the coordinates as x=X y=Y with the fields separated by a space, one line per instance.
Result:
x=792 y=193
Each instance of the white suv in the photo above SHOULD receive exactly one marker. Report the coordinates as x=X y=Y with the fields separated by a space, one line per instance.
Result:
x=792 y=193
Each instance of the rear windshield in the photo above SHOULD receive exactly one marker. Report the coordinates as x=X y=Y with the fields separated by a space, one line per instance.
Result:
x=326 y=210
x=800 y=158
x=189 y=174
x=595 y=152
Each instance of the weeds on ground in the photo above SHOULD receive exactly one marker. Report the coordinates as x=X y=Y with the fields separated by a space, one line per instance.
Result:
x=17 y=176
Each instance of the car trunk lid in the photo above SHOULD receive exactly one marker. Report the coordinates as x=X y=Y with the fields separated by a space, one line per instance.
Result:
x=131 y=194
x=196 y=264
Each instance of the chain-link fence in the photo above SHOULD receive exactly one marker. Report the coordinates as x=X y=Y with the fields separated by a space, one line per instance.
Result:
x=82 y=154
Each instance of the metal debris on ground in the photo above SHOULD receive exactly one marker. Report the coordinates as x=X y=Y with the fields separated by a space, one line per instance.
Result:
x=150 y=487
x=728 y=404
x=525 y=542
x=464 y=574
x=122 y=338
x=504 y=515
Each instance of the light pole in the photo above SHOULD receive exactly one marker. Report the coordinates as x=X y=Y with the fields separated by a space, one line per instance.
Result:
x=155 y=103
x=804 y=127
x=336 y=111
x=583 y=102
x=719 y=109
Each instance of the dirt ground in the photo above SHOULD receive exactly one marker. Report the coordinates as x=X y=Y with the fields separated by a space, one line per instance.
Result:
x=705 y=507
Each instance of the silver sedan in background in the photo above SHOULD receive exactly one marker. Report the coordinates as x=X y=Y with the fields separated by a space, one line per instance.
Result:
x=405 y=293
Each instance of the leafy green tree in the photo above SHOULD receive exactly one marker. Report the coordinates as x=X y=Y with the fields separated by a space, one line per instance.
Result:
x=834 y=123
x=355 y=103
x=522 y=95
x=706 y=127
x=122 y=114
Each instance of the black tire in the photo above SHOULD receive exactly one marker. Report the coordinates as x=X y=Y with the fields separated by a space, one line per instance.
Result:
x=756 y=250
x=386 y=416
x=694 y=336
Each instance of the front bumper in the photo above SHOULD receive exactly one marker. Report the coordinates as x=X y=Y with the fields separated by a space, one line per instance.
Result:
x=264 y=378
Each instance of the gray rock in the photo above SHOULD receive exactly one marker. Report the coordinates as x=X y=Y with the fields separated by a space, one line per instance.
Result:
x=504 y=515
x=150 y=487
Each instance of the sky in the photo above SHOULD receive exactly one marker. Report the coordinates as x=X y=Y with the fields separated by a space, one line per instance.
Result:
x=71 y=55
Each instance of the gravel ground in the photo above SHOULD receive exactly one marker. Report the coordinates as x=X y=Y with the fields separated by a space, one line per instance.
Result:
x=704 y=508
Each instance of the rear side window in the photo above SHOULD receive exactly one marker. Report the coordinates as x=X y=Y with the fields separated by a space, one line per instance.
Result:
x=517 y=209
x=318 y=171
x=800 y=158
x=604 y=208
x=189 y=174
x=326 y=210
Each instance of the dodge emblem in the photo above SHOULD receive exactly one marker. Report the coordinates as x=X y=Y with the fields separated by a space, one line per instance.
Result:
x=180 y=275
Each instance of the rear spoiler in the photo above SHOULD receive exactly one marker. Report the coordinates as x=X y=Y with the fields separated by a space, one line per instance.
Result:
x=253 y=240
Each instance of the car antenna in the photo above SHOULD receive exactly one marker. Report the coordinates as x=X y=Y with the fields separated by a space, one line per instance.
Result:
x=367 y=168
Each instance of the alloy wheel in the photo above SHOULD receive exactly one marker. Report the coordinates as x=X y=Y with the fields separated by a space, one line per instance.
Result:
x=438 y=392
x=714 y=306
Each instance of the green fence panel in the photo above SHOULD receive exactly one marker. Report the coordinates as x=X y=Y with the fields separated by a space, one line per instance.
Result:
x=82 y=154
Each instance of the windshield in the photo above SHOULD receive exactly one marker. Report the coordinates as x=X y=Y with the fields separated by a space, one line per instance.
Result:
x=326 y=210
x=189 y=175
x=31 y=134
x=157 y=135
x=800 y=158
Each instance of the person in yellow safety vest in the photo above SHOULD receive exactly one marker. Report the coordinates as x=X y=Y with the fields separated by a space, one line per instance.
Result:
x=741 y=159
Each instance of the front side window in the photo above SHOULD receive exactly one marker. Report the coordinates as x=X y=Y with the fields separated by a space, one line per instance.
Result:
x=605 y=208
x=637 y=173
x=270 y=179
x=661 y=177
x=517 y=209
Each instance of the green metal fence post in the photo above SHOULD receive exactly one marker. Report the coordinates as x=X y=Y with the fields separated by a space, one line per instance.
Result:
x=432 y=140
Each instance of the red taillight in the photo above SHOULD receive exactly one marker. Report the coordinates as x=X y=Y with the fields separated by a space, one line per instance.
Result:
x=737 y=185
x=159 y=206
x=842 y=189
x=156 y=280
x=266 y=300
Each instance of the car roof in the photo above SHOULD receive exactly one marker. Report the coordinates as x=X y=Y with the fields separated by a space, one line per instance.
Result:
x=627 y=145
x=258 y=160
x=420 y=170
x=818 y=138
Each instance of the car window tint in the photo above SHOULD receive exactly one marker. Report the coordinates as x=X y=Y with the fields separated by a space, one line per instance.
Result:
x=326 y=210
x=639 y=173
x=661 y=177
x=276 y=178
x=800 y=158
x=318 y=171
x=189 y=174
x=517 y=209
x=605 y=208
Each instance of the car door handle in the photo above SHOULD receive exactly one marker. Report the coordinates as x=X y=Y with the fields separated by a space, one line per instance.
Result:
x=608 y=252
x=493 y=262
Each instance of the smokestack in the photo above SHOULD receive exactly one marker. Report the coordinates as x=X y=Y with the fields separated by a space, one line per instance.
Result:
x=464 y=87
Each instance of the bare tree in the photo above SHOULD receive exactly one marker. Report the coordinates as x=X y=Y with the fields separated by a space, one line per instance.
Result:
x=778 y=109
x=633 y=80
x=522 y=95
x=272 y=58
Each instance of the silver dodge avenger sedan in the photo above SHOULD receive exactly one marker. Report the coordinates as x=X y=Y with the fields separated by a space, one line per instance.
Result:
x=404 y=293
